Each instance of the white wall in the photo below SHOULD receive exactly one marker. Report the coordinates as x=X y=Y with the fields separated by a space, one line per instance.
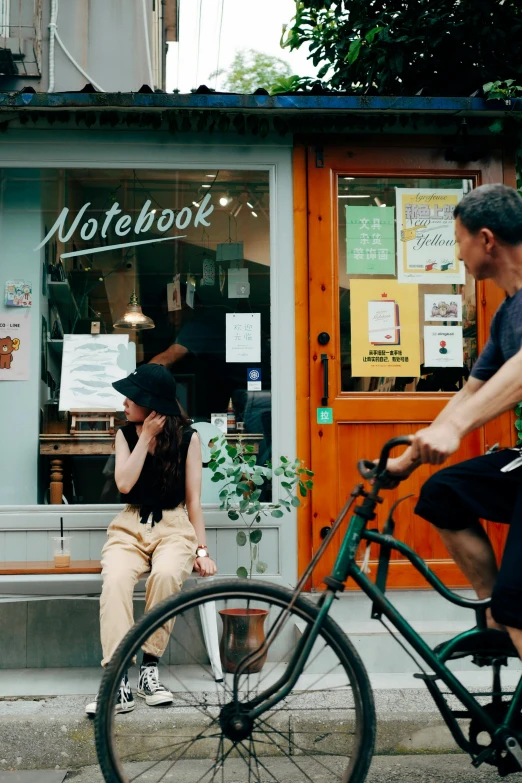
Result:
x=20 y=233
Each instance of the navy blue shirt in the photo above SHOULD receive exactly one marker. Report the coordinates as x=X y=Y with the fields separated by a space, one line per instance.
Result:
x=505 y=338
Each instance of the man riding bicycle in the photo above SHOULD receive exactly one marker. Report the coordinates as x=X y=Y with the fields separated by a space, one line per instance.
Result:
x=488 y=230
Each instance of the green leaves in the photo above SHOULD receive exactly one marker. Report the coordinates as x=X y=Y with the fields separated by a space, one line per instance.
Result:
x=241 y=495
x=442 y=47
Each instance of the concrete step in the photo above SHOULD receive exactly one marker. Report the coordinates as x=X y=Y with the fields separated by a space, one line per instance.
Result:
x=381 y=652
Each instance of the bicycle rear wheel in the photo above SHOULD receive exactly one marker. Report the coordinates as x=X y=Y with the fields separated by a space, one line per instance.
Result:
x=323 y=731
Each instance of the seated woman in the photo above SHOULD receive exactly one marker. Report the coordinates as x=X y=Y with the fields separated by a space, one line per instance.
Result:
x=161 y=530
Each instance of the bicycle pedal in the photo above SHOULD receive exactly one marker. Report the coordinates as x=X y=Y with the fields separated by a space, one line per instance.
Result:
x=422 y=676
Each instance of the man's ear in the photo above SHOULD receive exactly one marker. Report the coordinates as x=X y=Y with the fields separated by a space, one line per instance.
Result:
x=488 y=239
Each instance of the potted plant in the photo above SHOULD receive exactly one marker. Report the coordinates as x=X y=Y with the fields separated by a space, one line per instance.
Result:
x=246 y=483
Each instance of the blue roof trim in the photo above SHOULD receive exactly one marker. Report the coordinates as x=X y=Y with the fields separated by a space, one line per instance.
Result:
x=263 y=103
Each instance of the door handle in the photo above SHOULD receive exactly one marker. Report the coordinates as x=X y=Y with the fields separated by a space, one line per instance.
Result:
x=324 y=362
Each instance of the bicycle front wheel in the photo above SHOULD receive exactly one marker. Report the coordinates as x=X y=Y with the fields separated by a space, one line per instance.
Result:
x=323 y=731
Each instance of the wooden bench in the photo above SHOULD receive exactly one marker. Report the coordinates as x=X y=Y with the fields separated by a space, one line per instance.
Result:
x=37 y=580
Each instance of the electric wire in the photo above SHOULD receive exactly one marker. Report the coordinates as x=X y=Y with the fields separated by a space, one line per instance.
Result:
x=219 y=41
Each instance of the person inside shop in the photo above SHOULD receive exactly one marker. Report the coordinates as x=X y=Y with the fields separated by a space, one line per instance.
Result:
x=200 y=350
x=161 y=530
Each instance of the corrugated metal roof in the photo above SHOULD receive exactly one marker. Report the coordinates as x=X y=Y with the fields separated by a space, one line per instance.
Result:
x=293 y=103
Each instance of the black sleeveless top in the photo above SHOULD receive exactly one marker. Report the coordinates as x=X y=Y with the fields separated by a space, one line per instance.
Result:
x=147 y=493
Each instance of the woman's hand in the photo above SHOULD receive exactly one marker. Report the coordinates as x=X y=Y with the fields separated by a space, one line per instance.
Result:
x=205 y=566
x=153 y=425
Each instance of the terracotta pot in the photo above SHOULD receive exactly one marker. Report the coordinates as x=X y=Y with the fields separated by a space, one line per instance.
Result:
x=243 y=633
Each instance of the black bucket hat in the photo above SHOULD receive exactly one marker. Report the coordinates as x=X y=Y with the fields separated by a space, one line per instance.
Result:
x=152 y=386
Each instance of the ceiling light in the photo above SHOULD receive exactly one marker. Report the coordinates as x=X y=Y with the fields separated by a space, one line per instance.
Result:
x=254 y=213
x=250 y=205
x=211 y=175
x=348 y=177
x=382 y=205
x=195 y=203
x=224 y=200
x=237 y=210
x=133 y=317
x=206 y=186
x=354 y=196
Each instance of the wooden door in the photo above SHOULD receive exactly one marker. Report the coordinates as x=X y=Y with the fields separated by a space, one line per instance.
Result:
x=364 y=420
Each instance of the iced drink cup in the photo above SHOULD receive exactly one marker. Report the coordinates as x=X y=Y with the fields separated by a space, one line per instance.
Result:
x=62 y=551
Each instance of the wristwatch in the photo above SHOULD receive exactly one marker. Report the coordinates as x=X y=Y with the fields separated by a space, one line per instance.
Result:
x=202 y=551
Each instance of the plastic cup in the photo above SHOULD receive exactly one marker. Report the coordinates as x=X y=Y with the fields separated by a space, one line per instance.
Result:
x=62 y=551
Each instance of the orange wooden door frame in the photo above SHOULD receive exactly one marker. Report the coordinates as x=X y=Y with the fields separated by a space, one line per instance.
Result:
x=316 y=286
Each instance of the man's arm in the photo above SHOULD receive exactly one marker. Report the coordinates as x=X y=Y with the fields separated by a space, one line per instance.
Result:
x=411 y=458
x=500 y=393
x=171 y=355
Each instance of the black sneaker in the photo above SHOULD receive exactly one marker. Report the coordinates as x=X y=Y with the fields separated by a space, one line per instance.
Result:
x=124 y=701
x=150 y=688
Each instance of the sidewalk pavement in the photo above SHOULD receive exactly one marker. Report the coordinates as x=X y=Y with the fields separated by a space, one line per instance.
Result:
x=384 y=769
x=43 y=726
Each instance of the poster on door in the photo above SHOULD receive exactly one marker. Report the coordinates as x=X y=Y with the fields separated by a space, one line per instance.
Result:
x=426 y=248
x=443 y=346
x=370 y=240
x=15 y=345
x=384 y=317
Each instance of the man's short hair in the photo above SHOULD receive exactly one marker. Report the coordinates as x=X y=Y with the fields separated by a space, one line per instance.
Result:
x=496 y=207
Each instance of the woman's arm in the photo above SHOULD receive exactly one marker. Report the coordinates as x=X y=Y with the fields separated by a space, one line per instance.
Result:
x=129 y=464
x=193 y=478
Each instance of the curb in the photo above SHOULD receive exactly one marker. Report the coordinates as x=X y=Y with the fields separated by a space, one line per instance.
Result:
x=52 y=732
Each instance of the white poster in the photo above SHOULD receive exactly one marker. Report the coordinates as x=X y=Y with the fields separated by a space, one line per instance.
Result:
x=243 y=337
x=15 y=345
x=443 y=346
x=174 y=294
x=442 y=307
x=426 y=248
x=90 y=364
x=383 y=322
x=238 y=285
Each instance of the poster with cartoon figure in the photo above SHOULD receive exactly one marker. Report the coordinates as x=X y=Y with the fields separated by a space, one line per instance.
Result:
x=15 y=345
x=443 y=346
x=442 y=307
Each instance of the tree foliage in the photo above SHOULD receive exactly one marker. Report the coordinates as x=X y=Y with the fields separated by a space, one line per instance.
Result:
x=250 y=70
x=407 y=47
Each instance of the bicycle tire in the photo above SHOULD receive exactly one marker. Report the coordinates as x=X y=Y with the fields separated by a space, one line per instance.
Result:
x=236 y=589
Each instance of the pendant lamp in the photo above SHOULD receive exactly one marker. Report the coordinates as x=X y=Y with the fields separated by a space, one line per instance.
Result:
x=133 y=317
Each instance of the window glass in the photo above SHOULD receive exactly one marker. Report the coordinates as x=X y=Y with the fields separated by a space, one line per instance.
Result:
x=192 y=248
x=407 y=306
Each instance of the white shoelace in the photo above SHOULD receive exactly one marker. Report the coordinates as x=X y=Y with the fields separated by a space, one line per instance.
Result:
x=151 y=678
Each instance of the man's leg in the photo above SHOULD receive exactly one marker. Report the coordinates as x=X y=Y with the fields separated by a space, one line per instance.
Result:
x=454 y=500
x=506 y=602
x=472 y=551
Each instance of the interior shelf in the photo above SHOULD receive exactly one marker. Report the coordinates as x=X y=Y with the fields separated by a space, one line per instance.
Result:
x=63 y=299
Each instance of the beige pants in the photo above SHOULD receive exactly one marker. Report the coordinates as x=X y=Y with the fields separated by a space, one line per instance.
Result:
x=168 y=552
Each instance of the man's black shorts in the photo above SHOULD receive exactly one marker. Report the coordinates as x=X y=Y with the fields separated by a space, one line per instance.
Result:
x=456 y=498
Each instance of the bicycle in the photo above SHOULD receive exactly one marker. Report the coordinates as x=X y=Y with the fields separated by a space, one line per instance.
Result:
x=243 y=726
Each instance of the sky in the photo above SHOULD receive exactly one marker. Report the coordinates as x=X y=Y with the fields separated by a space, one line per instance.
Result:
x=247 y=24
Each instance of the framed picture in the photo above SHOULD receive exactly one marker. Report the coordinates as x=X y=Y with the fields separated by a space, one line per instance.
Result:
x=219 y=420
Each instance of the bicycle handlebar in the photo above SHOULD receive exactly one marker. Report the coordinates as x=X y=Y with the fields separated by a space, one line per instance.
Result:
x=369 y=470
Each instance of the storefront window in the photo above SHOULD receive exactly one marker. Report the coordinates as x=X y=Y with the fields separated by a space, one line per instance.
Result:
x=191 y=248
x=407 y=305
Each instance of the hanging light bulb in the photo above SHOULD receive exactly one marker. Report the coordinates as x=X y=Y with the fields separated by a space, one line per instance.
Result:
x=224 y=200
x=133 y=317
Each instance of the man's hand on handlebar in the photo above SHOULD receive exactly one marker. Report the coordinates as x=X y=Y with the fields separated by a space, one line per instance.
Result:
x=432 y=445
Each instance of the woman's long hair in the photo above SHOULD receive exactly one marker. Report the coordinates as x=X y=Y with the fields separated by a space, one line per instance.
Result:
x=167 y=453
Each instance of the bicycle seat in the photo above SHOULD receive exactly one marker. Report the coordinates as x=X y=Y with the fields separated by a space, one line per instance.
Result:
x=484 y=646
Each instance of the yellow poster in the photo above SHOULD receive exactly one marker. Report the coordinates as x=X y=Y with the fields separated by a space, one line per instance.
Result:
x=426 y=248
x=384 y=328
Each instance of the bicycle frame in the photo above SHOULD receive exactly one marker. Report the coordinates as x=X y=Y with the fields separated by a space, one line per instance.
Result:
x=346 y=567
